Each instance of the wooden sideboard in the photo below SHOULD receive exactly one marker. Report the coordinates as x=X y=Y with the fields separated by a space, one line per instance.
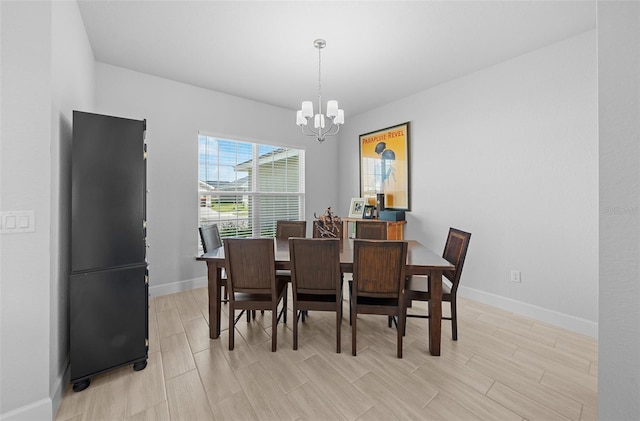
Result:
x=395 y=229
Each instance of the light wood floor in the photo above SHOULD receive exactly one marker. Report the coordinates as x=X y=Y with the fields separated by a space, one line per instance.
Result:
x=503 y=367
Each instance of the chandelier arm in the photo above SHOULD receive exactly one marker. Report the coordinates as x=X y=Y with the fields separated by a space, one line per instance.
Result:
x=313 y=133
x=329 y=133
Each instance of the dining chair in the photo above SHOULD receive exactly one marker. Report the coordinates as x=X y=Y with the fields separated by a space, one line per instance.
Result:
x=287 y=229
x=371 y=230
x=368 y=231
x=315 y=279
x=252 y=281
x=319 y=230
x=417 y=286
x=210 y=238
x=378 y=283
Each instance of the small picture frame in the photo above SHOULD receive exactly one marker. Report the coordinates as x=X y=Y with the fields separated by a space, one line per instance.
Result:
x=357 y=207
x=368 y=212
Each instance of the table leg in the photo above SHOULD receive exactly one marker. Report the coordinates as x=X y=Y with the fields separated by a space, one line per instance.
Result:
x=214 y=275
x=435 y=312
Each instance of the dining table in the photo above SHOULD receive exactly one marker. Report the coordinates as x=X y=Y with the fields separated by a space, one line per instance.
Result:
x=420 y=261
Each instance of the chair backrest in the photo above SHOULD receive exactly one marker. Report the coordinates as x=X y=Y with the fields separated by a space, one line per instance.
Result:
x=371 y=230
x=320 y=230
x=315 y=265
x=379 y=268
x=210 y=237
x=250 y=265
x=287 y=229
x=455 y=251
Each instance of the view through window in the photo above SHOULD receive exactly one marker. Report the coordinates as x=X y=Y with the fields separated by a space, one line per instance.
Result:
x=246 y=187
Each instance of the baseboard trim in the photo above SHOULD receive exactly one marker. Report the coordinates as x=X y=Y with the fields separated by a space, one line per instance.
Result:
x=38 y=410
x=565 y=321
x=555 y=318
x=60 y=385
x=44 y=409
x=173 y=287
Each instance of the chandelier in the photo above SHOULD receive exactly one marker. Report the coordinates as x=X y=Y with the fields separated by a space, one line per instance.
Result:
x=322 y=126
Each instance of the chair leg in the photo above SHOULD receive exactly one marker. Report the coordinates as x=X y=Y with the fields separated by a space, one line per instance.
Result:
x=338 y=324
x=350 y=299
x=404 y=319
x=399 y=331
x=454 y=320
x=232 y=326
x=295 y=326
x=354 y=319
x=285 y=304
x=274 y=327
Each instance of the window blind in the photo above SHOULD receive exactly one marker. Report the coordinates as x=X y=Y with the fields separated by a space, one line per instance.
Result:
x=246 y=187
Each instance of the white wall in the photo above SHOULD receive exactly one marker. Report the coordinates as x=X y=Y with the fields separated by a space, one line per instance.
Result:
x=46 y=69
x=175 y=112
x=509 y=154
x=619 y=147
x=26 y=167
x=72 y=88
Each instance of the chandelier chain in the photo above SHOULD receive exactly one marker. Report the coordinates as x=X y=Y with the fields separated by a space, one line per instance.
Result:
x=320 y=79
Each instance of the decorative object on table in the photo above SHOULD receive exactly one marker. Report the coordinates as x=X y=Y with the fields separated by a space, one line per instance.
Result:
x=368 y=211
x=328 y=225
x=334 y=117
x=391 y=215
x=384 y=166
x=357 y=207
x=380 y=202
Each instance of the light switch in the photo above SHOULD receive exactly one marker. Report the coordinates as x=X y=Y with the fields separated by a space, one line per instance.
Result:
x=14 y=222
x=23 y=221
x=10 y=222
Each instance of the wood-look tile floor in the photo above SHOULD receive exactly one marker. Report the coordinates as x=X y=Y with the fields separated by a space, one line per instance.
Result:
x=503 y=367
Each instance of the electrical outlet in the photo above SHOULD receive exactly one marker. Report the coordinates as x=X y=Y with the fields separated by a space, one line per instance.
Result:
x=515 y=276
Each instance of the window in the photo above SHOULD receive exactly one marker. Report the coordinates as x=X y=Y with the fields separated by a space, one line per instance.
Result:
x=246 y=187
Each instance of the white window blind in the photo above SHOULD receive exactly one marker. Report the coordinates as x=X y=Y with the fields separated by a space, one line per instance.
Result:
x=245 y=187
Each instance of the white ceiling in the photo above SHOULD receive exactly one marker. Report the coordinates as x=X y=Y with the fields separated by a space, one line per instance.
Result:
x=377 y=52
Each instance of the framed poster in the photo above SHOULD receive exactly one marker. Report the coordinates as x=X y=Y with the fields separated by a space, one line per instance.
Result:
x=384 y=166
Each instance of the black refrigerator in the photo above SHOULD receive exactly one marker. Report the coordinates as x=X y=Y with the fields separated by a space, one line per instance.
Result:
x=109 y=283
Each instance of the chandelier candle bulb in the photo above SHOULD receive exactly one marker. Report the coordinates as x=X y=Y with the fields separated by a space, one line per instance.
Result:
x=307 y=109
x=339 y=119
x=299 y=119
x=332 y=108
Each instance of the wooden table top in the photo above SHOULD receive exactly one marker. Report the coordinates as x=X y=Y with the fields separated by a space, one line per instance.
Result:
x=420 y=260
